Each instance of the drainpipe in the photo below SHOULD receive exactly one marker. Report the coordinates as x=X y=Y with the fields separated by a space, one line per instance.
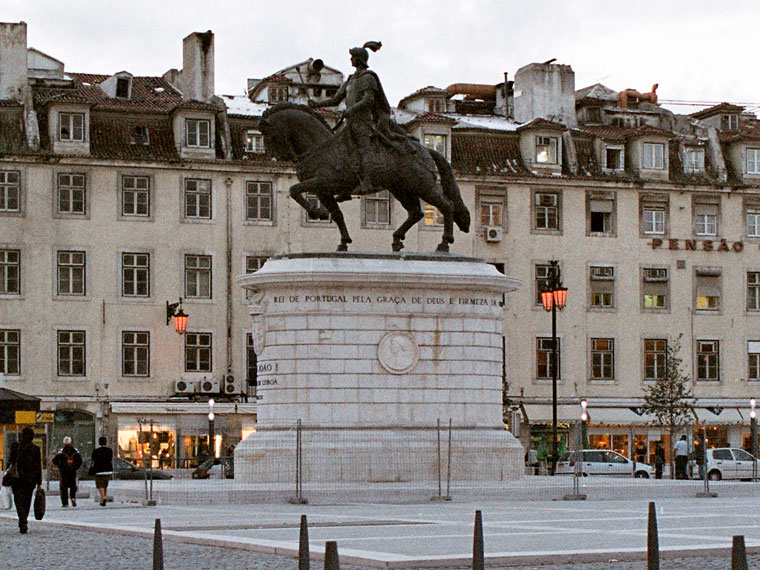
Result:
x=228 y=183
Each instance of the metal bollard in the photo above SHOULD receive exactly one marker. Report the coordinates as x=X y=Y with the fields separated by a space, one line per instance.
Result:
x=739 y=554
x=478 y=561
x=653 y=544
x=331 y=555
x=303 y=546
x=158 y=547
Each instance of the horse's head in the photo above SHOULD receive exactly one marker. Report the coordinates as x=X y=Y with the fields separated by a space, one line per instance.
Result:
x=289 y=130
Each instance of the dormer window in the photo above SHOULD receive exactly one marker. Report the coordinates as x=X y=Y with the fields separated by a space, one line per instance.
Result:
x=436 y=142
x=654 y=156
x=694 y=160
x=122 y=87
x=613 y=158
x=138 y=135
x=546 y=150
x=437 y=105
x=753 y=161
x=71 y=127
x=729 y=122
x=254 y=142
x=278 y=93
x=197 y=133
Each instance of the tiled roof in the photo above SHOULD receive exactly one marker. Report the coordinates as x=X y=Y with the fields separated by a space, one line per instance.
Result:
x=110 y=138
x=749 y=132
x=588 y=165
x=487 y=154
x=596 y=91
x=542 y=124
x=195 y=105
x=238 y=132
x=149 y=94
x=607 y=133
x=715 y=109
x=676 y=170
x=432 y=118
x=429 y=90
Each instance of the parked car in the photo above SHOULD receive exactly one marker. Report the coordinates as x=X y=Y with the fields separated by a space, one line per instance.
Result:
x=730 y=463
x=123 y=469
x=603 y=462
x=215 y=468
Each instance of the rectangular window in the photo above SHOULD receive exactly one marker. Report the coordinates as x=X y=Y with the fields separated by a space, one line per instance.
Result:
x=72 y=353
x=197 y=352
x=197 y=133
x=278 y=93
x=10 y=191
x=198 y=199
x=706 y=215
x=546 y=211
x=198 y=276
x=543 y=275
x=753 y=223
x=654 y=156
x=72 y=194
x=694 y=160
x=135 y=353
x=544 y=365
x=436 y=142
x=753 y=354
x=613 y=158
x=252 y=264
x=729 y=122
x=71 y=271
x=135 y=196
x=314 y=201
x=546 y=150
x=122 y=87
x=708 y=361
x=753 y=161
x=377 y=209
x=259 y=201
x=251 y=365
x=433 y=216
x=602 y=287
x=10 y=272
x=71 y=127
x=707 y=289
x=753 y=291
x=139 y=135
x=254 y=142
x=653 y=221
x=10 y=352
x=655 y=358
x=600 y=214
x=135 y=275
x=602 y=359
x=654 y=288
x=491 y=213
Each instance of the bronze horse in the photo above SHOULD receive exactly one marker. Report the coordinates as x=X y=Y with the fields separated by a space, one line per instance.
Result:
x=326 y=166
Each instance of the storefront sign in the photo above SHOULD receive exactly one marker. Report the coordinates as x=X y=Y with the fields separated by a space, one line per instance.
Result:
x=697 y=245
x=45 y=417
x=26 y=417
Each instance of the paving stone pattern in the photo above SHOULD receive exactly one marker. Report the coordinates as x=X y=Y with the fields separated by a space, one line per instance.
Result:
x=54 y=547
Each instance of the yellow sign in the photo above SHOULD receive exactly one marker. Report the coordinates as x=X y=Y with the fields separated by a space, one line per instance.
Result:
x=45 y=417
x=26 y=417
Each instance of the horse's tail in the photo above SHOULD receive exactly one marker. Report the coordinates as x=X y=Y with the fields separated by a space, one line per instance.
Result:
x=451 y=190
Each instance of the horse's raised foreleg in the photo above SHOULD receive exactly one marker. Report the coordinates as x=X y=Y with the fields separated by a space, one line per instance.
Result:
x=313 y=185
x=329 y=202
x=414 y=214
x=446 y=207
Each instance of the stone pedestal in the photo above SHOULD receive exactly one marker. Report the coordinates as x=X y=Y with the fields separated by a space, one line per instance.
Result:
x=371 y=353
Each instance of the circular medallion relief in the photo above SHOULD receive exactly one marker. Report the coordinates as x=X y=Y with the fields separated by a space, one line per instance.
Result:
x=398 y=352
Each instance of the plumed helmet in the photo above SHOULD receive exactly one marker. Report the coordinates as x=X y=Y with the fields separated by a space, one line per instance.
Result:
x=361 y=52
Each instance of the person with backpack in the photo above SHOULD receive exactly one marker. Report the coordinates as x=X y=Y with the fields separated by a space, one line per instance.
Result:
x=68 y=460
x=27 y=458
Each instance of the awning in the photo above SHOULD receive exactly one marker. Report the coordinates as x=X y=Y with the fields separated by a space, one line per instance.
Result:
x=542 y=413
x=719 y=415
x=148 y=408
x=618 y=416
x=10 y=400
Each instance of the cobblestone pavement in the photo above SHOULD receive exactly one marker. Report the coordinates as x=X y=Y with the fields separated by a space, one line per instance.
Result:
x=54 y=547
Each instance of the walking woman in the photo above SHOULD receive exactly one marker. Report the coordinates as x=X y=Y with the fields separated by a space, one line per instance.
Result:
x=28 y=461
x=102 y=468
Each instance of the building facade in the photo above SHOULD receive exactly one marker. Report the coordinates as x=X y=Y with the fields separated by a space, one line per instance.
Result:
x=121 y=194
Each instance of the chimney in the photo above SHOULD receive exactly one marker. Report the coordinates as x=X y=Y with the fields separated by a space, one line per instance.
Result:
x=198 y=66
x=14 y=84
x=546 y=91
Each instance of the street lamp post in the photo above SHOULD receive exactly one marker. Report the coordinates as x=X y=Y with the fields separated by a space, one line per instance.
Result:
x=753 y=435
x=584 y=424
x=211 y=443
x=553 y=298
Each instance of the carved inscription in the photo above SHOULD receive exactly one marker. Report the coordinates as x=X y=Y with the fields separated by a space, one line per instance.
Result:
x=387 y=299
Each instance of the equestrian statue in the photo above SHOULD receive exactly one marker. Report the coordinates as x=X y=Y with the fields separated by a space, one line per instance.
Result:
x=368 y=153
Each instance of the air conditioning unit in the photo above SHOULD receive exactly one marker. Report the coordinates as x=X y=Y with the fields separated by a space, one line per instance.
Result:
x=229 y=386
x=210 y=386
x=493 y=233
x=185 y=386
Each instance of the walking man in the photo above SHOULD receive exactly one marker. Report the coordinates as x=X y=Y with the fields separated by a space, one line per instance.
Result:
x=681 y=452
x=68 y=461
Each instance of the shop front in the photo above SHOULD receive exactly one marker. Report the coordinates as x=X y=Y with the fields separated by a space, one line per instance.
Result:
x=17 y=410
x=168 y=435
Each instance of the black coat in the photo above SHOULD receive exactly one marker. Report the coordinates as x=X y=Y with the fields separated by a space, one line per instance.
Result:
x=28 y=460
x=68 y=461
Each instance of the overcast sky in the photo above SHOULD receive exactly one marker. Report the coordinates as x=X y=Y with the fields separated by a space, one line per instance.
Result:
x=697 y=50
